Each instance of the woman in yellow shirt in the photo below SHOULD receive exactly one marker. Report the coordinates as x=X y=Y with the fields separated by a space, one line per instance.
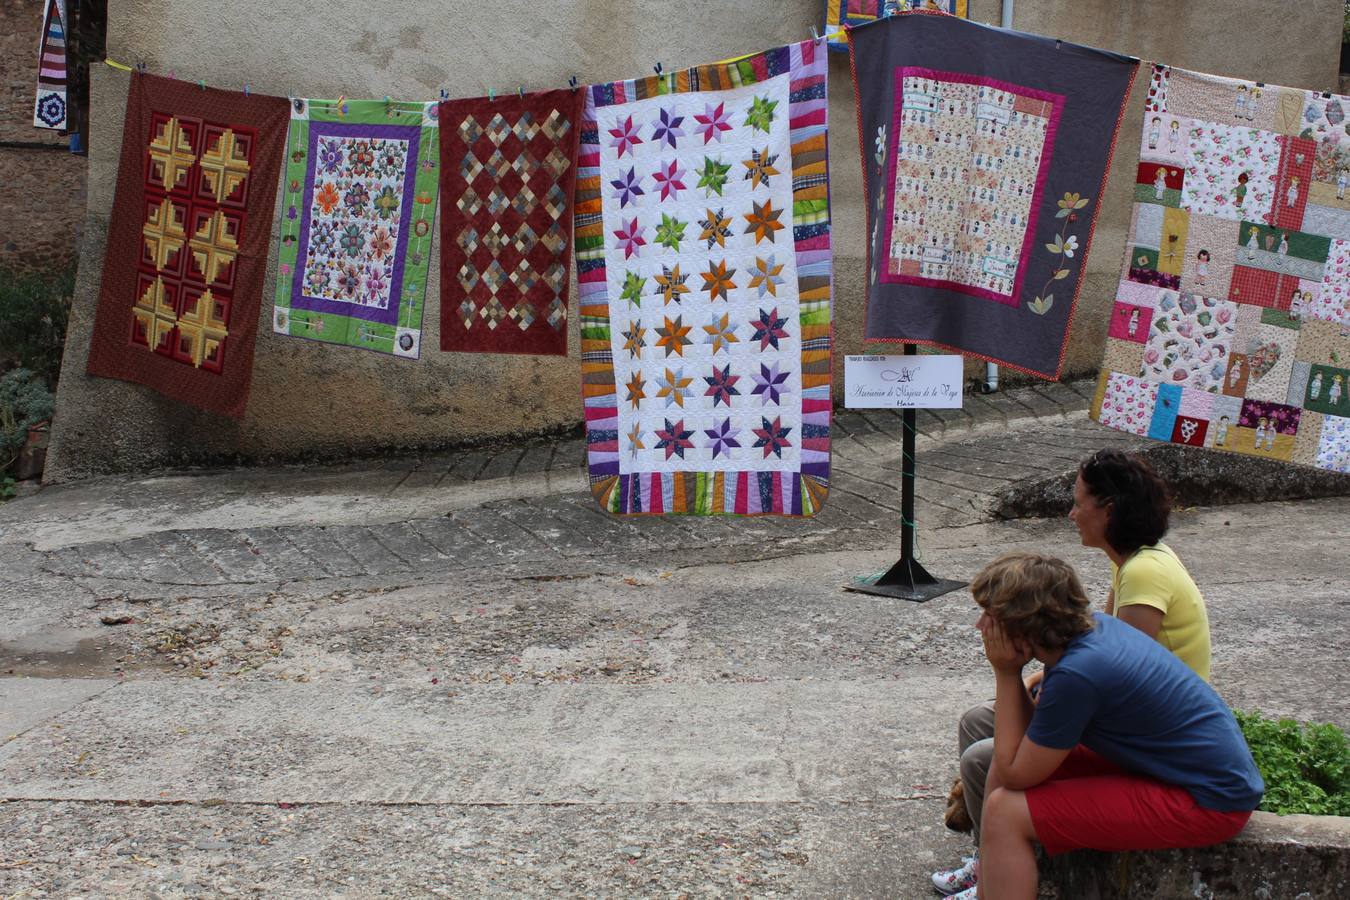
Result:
x=1120 y=506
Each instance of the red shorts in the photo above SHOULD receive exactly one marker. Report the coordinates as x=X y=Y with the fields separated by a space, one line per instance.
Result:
x=1091 y=803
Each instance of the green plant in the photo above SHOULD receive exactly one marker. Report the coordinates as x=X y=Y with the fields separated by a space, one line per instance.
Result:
x=34 y=312
x=1306 y=767
x=7 y=489
x=24 y=401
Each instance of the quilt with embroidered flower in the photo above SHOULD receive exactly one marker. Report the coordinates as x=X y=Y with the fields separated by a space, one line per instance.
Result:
x=703 y=258
x=988 y=153
x=1230 y=328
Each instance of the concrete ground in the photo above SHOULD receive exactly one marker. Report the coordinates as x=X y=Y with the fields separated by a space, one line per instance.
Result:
x=455 y=676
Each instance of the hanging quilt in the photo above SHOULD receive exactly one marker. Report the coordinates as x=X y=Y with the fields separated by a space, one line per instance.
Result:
x=508 y=170
x=703 y=258
x=49 y=110
x=848 y=13
x=1231 y=326
x=360 y=199
x=183 y=272
x=985 y=157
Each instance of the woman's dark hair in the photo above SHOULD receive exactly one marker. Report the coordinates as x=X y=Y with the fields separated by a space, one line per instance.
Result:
x=1139 y=498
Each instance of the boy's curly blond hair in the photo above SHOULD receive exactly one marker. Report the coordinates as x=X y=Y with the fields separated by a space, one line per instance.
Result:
x=1036 y=598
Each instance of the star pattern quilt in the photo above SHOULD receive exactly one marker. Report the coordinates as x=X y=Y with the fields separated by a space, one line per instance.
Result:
x=985 y=156
x=183 y=272
x=360 y=200
x=703 y=258
x=1231 y=328
x=508 y=170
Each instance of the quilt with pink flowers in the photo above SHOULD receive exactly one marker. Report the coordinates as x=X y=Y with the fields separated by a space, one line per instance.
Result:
x=1230 y=327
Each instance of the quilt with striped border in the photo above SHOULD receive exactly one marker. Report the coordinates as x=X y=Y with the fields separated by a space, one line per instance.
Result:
x=704 y=268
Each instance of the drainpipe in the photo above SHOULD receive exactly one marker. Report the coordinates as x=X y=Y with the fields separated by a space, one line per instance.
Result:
x=991 y=369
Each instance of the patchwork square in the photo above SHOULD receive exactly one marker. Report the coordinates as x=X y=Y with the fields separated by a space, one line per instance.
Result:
x=1231 y=171
x=1333 y=447
x=1223 y=417
x=1328 y=390
x=1269 y=352
x=1166 y=407
x=1266 y=429
x=1190 y=338
x=1211 y=254
x=1128 y=403
x=1166 y=140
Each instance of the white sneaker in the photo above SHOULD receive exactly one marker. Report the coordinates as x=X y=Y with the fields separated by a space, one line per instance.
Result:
x=959 y=882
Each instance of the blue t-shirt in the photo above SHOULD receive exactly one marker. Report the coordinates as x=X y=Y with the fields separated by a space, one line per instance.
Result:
x=1119 y=693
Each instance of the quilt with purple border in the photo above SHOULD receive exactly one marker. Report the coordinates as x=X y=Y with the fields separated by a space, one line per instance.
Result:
x=360 y=188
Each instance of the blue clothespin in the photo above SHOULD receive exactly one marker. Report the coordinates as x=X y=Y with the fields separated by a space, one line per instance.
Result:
x=658 y=69
x=140 y=68
x=445 y=95
x=492 y=95
x=572 y=82
x=245 y=88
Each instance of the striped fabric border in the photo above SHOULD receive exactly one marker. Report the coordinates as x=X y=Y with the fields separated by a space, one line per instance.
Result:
x=798 y=493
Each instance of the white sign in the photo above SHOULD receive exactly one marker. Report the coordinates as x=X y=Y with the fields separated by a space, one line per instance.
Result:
x=903 y=382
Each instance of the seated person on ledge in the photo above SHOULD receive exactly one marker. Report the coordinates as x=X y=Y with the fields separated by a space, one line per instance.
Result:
x=1121 y=507
x=1126 y=749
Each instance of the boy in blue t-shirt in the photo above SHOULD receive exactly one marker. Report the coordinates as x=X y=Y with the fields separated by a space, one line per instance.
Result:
x=1127 y=748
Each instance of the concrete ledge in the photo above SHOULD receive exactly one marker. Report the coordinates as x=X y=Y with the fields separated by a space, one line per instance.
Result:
x=1274 y=858
x=1198 y=477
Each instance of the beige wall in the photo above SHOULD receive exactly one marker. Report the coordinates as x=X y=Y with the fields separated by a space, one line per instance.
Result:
x=313 y=400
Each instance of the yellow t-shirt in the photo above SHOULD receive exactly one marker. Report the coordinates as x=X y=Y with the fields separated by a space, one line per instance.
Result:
x=1155 y=577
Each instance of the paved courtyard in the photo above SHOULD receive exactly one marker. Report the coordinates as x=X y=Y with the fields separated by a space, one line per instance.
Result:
x=454 y=675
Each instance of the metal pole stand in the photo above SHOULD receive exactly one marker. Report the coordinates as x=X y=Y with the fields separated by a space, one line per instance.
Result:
x=907 y=579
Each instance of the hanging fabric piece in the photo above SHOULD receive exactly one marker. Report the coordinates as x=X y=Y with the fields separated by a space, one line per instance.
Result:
x=508 y=170
x=50 y=108
x=187 y=244
x=703 y=257
x=1231 y=326
x=848 y=13
x=985 y=156
x=358 y=207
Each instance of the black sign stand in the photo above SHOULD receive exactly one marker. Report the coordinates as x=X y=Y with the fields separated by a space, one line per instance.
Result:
x=907 y=579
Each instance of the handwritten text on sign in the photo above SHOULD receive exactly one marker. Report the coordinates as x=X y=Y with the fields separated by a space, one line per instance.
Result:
x=902 y=382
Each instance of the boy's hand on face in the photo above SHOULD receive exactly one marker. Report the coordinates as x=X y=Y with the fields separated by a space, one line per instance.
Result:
x=1003 y=652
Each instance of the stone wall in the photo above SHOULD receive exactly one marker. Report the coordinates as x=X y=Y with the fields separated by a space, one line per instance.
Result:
x=1274 y=858
x=42 y=196
x=311 y=399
